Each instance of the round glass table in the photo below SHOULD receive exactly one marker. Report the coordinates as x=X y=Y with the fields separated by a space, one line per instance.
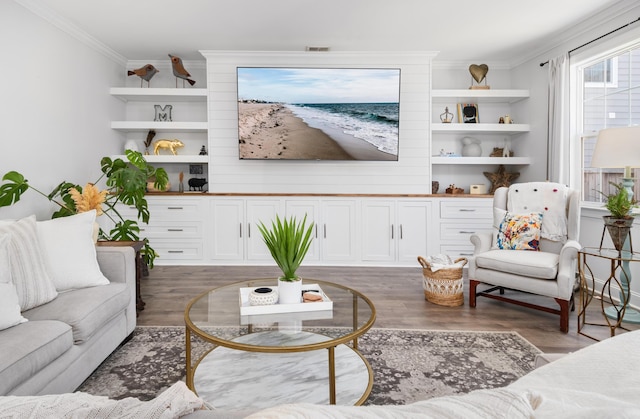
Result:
x=238 y=361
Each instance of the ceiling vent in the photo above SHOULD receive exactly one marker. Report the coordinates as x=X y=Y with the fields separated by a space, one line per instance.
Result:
x=317 y=49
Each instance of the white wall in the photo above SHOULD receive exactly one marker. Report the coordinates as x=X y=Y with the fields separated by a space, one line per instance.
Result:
x=410 y=174
x=55 y=107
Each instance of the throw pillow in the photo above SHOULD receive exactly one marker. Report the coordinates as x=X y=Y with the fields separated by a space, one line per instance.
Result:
x=9 y=307
x=519 y=231
x=28 y=271
x=70 y=252
x=5 y=264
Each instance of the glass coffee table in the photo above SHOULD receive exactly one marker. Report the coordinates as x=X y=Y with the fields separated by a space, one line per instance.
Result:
x=236 y=361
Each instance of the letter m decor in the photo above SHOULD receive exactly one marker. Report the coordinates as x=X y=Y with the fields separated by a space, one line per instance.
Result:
x=163 y=113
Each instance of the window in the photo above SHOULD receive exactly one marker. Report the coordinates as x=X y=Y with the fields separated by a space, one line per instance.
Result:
x=609 y=96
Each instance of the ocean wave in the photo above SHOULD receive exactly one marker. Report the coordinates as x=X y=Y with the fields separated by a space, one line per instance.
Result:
x=376 y=123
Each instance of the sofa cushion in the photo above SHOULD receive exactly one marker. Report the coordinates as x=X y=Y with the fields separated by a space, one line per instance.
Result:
x=9 y=305
x=29 y=347
x=69 y=251
x=28 y=271
x=520 y=262
x=86 y=310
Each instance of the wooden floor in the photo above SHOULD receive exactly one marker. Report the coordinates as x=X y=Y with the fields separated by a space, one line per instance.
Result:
x=396 y=293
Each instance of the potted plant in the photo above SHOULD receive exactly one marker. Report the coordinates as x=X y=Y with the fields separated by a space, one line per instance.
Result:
x=620 y=219
x=288 y=242
x=126 y=183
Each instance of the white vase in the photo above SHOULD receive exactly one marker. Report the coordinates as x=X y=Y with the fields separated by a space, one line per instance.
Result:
x=289 y=292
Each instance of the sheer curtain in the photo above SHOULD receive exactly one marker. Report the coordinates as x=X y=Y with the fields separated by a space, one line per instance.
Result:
x=557 y=140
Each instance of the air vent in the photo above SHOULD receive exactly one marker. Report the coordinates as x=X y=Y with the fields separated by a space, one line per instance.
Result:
x=318 y=49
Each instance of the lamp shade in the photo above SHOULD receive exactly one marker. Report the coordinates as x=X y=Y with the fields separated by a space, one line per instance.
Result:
x=617 y=148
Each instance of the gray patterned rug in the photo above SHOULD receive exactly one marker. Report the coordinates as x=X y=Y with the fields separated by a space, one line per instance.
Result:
x=408 y=365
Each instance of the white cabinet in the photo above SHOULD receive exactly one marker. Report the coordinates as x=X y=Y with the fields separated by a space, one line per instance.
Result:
x=175 y=230
x=395 y=230
x=458 y=219
x=235 y=235
x=334 y=231
x=339 y=231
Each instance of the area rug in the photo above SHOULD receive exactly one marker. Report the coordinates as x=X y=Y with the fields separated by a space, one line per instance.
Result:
x=408 y=365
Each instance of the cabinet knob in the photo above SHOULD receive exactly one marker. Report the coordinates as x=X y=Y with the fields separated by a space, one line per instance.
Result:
x=175 y=251
x=467 y=210
x=175 y=208
x=175 y=229
x=466 y=232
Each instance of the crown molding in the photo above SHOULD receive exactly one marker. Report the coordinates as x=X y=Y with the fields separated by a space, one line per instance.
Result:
x=585 y=29
x=64 y=25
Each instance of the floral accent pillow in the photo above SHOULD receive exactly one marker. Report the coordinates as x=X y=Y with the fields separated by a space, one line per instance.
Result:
x=519 y=231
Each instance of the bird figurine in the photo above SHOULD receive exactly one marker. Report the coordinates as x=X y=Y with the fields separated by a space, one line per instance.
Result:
x=145 y=73
x=179 y=71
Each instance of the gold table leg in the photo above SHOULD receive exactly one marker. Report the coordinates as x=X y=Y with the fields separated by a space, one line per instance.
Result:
x=332 y=375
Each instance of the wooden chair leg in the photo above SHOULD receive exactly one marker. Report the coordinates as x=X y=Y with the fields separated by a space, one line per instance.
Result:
x=472 y=292
x=564 y=315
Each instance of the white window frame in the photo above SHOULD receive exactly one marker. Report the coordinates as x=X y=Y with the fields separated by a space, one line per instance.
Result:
x=610 y=48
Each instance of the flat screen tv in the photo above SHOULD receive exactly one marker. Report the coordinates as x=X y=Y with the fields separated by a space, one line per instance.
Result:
x=318 y=113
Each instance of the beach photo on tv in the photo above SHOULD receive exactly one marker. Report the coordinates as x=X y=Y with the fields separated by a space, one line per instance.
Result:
x=318 y=113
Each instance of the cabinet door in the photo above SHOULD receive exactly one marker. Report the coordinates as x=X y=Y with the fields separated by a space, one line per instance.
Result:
x=227 y=241
x=259 y=211
x=338 y=230
x=379 y=231
x=310 y=208
x=413 y=220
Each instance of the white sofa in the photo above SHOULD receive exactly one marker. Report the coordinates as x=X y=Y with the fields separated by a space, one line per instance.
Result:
x=53 y=347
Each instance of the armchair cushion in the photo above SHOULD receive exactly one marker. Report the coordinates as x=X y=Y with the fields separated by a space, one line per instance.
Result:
x=539 y=265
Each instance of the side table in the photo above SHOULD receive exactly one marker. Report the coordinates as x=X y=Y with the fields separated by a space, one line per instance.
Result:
x=137 y=246
x=613 y=309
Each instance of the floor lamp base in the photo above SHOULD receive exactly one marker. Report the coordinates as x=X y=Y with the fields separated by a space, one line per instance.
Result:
x=630 y=315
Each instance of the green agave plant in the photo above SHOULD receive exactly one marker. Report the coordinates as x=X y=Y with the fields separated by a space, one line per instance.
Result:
x=126 y=183
x=288 y=241
x=619 y=203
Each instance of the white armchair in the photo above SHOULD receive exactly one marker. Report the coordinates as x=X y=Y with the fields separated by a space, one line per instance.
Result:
x=550 y=271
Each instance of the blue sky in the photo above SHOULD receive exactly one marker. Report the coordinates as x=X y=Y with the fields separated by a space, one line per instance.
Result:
x=319 y=85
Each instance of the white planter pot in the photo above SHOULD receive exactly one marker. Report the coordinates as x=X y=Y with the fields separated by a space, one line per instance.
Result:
x=289 y=292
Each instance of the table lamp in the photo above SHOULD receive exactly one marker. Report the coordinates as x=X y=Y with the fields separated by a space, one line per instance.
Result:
x=619 y=148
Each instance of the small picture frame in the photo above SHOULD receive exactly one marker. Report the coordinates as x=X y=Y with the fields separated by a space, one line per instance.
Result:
x=195 y=169
x=468 y=113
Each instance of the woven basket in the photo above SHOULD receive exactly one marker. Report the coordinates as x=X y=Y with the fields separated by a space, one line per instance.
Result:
x=444 y=286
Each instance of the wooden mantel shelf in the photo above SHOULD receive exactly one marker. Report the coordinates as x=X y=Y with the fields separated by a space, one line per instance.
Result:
x=250 y=194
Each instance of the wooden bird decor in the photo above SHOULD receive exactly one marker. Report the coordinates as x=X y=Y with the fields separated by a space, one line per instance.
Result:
x=145 y=73
x=179 y=71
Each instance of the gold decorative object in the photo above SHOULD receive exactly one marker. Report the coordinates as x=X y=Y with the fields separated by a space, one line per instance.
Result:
x=171 y=145
x=479 y=73
x=446 y=117
x=500 y=178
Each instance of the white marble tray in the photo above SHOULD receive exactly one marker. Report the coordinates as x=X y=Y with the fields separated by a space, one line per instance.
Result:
x=247 y=309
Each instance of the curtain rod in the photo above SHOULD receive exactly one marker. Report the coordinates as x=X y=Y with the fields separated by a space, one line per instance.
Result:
x=598 y=38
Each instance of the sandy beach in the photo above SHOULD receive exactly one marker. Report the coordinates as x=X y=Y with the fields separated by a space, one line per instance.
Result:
x=273 y=131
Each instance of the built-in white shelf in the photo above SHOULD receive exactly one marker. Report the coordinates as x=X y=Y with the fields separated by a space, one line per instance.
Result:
x=482 y=160
x=480 y=128
x=162 y=158
x=160 y=126
x=470 y=95
x=165 y=94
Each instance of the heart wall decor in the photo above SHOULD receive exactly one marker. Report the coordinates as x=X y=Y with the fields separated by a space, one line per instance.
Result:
x=478 y=72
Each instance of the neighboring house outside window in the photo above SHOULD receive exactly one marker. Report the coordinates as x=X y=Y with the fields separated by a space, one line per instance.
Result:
x=608 y=95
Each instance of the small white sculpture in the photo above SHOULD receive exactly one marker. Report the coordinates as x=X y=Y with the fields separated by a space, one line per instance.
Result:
x=471 y=147
x=506 y=151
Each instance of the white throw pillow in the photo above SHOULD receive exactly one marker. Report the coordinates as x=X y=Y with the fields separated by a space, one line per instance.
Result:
x=9 y=307
x=5 y=263
x=70 y=252
x=28 y=272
